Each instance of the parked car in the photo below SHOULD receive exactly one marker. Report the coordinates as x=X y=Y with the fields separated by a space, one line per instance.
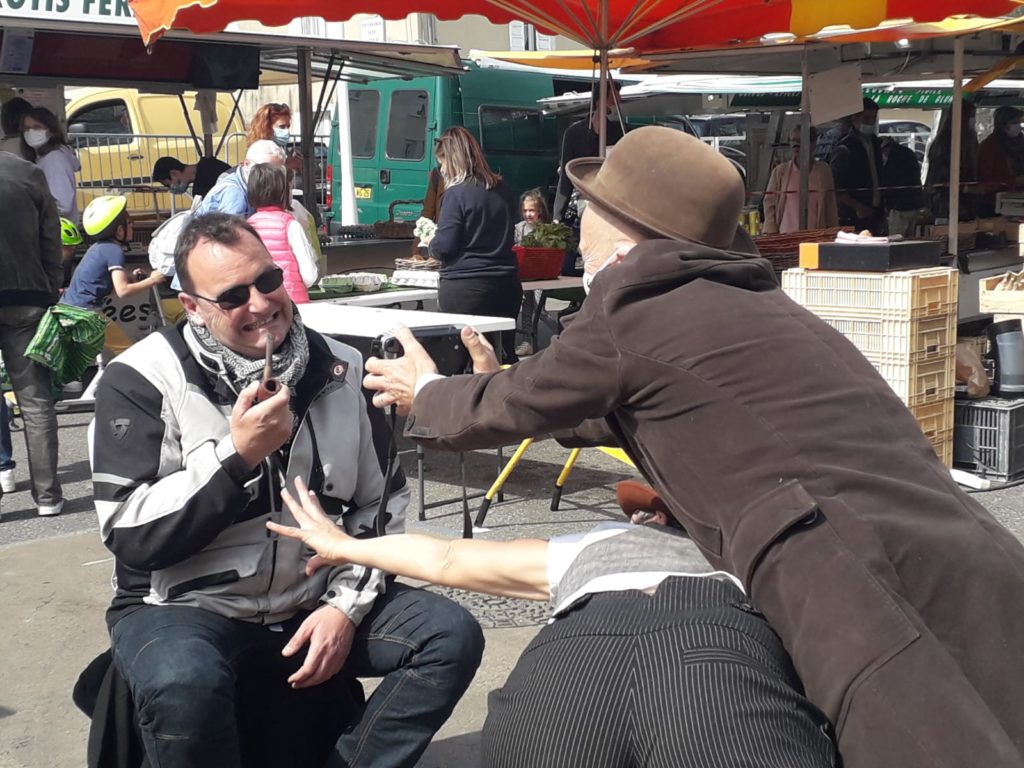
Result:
x=119 y=133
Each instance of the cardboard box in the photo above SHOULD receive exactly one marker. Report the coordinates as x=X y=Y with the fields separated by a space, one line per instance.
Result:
x=999 y=302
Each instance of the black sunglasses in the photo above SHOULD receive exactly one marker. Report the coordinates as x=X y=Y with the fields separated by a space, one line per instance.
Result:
x=237 y=295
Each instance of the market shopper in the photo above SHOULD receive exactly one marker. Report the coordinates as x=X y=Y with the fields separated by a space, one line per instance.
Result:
x=857 y=169
x=198 y=177
x=284 y=237
x=11 y=115
x=582 y=139
x=189 y=453
x=273 y=122
x=1001 y=159
x=780 y=450
x=782 y=196
x=230 y=194
x=901 y=179
x=30 y=278
x=473 y=241
x=639 y=619
x=103 y=271
x=940 y=154
x=45 y=136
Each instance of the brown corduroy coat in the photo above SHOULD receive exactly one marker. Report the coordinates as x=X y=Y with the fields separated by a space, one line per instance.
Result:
x=793 y=465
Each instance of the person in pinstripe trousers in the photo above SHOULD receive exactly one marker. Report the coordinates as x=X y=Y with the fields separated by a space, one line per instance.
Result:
x=651 y=659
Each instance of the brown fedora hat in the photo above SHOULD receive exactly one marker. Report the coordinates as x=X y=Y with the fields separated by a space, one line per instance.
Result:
x=665 y=182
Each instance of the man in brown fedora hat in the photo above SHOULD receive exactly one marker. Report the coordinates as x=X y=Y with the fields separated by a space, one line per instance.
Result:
x=778 y=447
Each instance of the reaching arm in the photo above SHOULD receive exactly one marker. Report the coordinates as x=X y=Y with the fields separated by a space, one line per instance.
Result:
x=505 y=568
x=123 y=287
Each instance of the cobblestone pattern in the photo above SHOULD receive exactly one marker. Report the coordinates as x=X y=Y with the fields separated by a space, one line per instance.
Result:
x=495 y=612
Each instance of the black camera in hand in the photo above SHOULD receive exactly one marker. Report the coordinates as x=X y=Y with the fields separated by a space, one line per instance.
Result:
x=442 y=342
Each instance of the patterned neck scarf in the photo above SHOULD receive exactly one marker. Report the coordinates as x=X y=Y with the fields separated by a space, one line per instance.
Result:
x=289 y=361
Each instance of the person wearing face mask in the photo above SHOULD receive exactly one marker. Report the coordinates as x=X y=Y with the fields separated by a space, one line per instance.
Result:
x=939 y=156
x=45 y=136
x=777 y=446
x=230 y=193
x=178 y=177
x=1001 y=159
x=273 y=122
x=102 y=271
x=782 y=196
x=857 y=169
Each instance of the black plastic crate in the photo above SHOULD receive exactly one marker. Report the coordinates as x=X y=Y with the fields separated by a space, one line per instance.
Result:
x=988 y=437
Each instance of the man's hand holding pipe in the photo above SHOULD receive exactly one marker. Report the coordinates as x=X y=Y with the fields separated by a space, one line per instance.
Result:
x=260 y=422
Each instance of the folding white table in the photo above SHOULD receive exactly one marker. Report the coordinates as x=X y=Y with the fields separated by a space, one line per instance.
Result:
x=386 y=298
x=366 y=324
x=370 y=322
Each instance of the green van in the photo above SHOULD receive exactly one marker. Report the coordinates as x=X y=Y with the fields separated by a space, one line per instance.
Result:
x=394 y=124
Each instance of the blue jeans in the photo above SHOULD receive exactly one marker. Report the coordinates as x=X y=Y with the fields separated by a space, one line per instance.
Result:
x=181 y=665
x=6 y=449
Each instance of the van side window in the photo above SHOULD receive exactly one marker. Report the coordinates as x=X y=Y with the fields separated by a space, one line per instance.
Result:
x=363 y=108
x=101 y=124
x=407 y=125
x=511 y=131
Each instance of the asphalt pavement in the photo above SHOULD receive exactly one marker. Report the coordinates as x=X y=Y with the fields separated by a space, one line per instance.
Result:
x=55 y=585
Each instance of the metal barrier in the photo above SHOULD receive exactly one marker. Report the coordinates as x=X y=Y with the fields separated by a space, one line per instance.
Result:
x=122 y=163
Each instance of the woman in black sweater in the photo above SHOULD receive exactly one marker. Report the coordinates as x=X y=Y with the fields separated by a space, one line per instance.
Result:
x=473 y=241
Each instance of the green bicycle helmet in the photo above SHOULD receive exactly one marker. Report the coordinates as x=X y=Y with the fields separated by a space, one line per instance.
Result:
x=69 y=234
x=102 y=212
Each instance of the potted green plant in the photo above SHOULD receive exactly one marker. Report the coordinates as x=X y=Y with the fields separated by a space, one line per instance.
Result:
x=550 y=236
x=543 y=251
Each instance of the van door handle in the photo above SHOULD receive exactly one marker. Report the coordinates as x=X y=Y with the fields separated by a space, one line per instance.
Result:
x=135 y=157
x=385 y=177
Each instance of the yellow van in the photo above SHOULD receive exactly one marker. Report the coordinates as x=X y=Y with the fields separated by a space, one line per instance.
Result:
x=119 y=133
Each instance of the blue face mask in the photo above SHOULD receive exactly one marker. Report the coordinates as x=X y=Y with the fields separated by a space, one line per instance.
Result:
x=178 y=188
x=281 y=136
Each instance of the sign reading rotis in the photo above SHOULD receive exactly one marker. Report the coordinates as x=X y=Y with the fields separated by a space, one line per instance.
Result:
x=96 y=11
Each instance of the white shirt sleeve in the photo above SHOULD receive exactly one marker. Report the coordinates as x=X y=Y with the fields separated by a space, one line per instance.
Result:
x=299 y=243
x=423 y=380
x=563 y=550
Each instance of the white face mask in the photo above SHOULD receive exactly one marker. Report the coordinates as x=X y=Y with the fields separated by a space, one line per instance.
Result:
x=1012 y=130
x=281 y=136
x=588 y=277
x=36 y=137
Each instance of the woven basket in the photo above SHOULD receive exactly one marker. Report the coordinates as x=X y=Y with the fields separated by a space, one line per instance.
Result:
x=394 y=230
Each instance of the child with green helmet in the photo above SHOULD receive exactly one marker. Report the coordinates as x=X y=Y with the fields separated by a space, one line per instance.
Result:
x=103 y=271
x=70 y=238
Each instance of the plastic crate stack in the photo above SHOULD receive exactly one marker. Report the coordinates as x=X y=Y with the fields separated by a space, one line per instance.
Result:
x=905 y=324
x=990 y=437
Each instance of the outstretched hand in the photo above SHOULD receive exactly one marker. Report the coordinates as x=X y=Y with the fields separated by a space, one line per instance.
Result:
x=315 y=530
